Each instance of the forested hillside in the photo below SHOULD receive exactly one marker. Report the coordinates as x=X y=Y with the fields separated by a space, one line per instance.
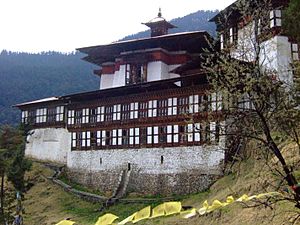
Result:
x=26 y=77
x=191 y=22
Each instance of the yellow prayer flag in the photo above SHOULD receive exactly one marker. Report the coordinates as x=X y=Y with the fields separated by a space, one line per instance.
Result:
x=142 y=214
x=215 y=205
x=204 y=209
x=106 y=219
x=230 y=199
x=172 y=208
x=65 y=222
x=158 y=211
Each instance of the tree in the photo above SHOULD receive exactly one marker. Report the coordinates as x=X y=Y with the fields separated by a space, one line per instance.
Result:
x=292 y=20
x=260 y=100
x=13 y=166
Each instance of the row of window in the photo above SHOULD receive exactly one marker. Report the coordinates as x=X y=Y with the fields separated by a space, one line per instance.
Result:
x=152 y=108
x=43 y=115
x=151 y=136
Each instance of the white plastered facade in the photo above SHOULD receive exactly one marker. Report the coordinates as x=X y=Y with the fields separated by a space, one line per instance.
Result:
x=49 y=144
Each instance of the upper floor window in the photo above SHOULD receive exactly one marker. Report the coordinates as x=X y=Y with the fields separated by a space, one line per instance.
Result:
x=41 y=115
x=222 y=41
x=25 y=117
x=134 y=113
x=71 y=117
x=275 y=18
x=135 y=73
x=100 y=114
x=59 y=113
x=172 y=106
x=117 y=112
x=152 y=108
x=85 y=115
x=162 y=108
x=233 y=35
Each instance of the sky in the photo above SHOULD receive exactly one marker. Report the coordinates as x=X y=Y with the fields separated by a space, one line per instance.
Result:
x=64 y=25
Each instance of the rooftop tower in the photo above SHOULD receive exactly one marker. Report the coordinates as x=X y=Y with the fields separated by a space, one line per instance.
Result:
x=159 y=26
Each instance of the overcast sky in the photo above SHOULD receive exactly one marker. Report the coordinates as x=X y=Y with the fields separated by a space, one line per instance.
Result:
x=63 y=25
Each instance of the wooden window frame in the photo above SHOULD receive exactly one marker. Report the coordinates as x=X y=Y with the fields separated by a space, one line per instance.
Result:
x=60 y=113
x=125 y=115
x=41 y=115
x=162 y=107
x=71 y=117
x=100 y=114
x=275 y=18
x=24 y=116
x=295 y=51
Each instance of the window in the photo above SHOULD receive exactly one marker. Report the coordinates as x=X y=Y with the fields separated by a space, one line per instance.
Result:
x=162 y=109
x=134 y=110
x=216 y=101
x=172 y=106
x=193 y=103
x=205 y=105
x=143 y=109
x=183 y=105
x=85 y=115
x=172 y=134
x=117 y=112
x=214 y=132
x=152 y=135
x=85 y=139
x=25 y=117
x=41 y=115
x=74 y=140
x=78 y=116
x=222 y=41
x=233 y=35
x=275 y=18
x=245 y=103
x=125 y=111
x=135 y=73
x=152 y=108
x=100 y=113
x=117 y=137
x=71 y=117
x=93 y=115
x=295 y=51
x=197 y=132
x=134 y=136
x=258 y=27
x=59 y=113
x=101 y=138
x=108 y=113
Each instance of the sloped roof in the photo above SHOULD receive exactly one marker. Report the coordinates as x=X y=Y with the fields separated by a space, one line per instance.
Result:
x=192 y=42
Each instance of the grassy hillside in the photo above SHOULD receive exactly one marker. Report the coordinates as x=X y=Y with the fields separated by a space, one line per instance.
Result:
x=47 y=203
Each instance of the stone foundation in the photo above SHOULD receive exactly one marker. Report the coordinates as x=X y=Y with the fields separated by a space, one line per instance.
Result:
x=165 y=171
